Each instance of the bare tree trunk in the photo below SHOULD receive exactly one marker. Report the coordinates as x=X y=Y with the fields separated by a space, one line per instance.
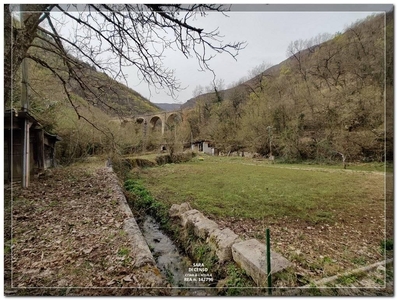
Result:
x=17 y=42
x=7 y=55
x=343 y=159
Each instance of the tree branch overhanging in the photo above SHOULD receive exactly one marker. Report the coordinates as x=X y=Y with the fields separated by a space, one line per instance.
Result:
x=136 y=35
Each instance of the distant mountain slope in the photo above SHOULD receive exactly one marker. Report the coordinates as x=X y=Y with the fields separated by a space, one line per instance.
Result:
x=254 y=84
x=325 y=102
x=113 y=97
x=245 y=87
x=95 y=87
x=87 y=113
x=168 y=106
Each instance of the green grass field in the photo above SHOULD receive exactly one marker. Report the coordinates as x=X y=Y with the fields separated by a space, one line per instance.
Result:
x=241 y=187
x=323 y=218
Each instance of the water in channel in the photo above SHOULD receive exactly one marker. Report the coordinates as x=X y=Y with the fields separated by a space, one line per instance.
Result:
x=179 y=270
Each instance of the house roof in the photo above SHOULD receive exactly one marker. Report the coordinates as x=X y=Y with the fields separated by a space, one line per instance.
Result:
x=201 y=141
x=22 y=114
x=52 y=136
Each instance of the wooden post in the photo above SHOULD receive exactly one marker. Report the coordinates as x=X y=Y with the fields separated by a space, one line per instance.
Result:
x=8 y=158
x=40 y=149
x=26 y=154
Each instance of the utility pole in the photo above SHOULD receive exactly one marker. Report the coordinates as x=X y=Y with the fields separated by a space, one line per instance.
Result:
x=25 y=108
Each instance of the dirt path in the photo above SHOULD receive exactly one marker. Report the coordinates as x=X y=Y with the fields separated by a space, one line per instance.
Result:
x=68 y=238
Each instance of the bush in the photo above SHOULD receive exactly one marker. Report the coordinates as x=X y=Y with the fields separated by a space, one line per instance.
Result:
x=131 y=163
x=175 y=158
x=163 y=159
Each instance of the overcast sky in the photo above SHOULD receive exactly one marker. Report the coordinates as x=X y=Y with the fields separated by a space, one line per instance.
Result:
x=267 y=34
x=267 y=30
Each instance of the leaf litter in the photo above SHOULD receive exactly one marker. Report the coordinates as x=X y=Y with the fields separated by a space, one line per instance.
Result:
x=67 y=233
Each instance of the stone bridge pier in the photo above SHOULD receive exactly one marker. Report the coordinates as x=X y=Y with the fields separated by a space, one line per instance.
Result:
x=165 y=118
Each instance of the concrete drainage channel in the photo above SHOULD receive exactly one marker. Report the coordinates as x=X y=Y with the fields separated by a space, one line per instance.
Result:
x=162 y=256
x=194 y=278
x=171 y=263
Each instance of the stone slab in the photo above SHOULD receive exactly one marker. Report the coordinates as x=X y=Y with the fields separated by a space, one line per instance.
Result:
x=190 y=217
x=139 y=246
x=176 y=210
x=141 y=252
x=185 y=206
x=204 y=227
x=250 y=255
x=221 y=241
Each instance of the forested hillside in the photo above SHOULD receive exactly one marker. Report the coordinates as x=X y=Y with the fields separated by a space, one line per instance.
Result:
x=327 y=101
x=81 y=112
x=169 y=106
x=330 y=100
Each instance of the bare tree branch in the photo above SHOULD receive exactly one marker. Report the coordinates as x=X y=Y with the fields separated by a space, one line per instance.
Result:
x=110 y=38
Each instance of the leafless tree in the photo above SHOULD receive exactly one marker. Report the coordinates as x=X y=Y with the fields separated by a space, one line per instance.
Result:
x=109 y=38
x=199 y=90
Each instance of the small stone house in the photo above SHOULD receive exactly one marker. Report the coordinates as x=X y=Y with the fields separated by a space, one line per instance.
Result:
x=41 y=151
x=204 y=146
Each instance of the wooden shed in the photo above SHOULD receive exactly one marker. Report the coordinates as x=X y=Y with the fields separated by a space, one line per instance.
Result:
x=40 y=154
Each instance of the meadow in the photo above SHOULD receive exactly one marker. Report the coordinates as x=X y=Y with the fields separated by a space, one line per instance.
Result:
x=323 y=218
x=238 y=187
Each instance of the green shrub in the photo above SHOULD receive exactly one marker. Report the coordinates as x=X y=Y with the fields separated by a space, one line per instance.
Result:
x=163 y=159
x=237 y=281
x=146 y=202
x=175 y=158
x=131 y=163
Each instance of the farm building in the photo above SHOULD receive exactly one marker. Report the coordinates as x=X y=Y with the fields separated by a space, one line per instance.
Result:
x=40 y=154
x=205 y=146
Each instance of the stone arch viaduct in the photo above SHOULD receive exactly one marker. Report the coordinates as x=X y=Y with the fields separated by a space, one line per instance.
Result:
x=163 y=118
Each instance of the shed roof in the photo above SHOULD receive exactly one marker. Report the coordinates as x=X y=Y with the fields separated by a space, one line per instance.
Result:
x=23 y=114
x=201 y=141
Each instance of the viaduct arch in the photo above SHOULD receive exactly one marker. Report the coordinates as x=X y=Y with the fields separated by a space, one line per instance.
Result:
x=159 y=119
